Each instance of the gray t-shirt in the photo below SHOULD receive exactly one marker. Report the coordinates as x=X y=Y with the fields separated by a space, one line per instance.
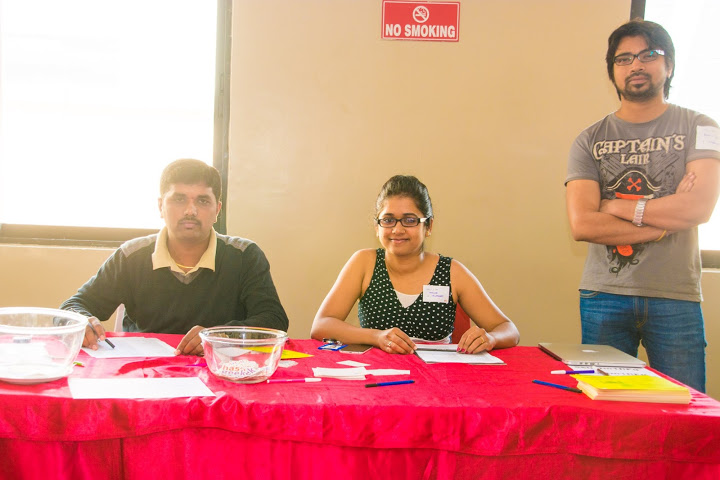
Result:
x=644 y=160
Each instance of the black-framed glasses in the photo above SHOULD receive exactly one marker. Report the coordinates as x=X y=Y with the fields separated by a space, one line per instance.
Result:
x=646 y=56
x=389 y=222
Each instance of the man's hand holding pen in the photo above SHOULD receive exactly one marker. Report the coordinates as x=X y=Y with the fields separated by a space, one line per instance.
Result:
x=95 y=332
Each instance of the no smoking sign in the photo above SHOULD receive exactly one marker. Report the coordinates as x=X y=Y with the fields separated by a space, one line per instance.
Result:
x=425 y=21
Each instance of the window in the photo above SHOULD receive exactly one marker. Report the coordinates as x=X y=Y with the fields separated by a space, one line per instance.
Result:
x=95 y=99
x=692 y=25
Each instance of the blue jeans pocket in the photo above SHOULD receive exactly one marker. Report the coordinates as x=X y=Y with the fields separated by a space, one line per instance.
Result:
x=588 y=293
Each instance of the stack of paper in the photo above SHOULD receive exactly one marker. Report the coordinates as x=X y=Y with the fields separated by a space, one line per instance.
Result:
x=632 y=388
x=482 y=358
x=440 y=347
x=132 y=347
x=625 y=371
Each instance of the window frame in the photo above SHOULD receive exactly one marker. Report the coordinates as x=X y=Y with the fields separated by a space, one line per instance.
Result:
x=114 y=237
x=709 y=258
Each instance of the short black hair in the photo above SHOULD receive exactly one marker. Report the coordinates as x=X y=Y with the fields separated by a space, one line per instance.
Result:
x=191 y=171
x=656 y=37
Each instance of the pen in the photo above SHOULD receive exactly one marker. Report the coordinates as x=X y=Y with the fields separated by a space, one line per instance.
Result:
x=568 y=372
x=384 y=384
x=98 y=336
x=293 y=380
x=561 y=387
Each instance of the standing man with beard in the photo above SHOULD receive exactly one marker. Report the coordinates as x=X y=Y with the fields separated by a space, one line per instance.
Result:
x=187 y=277
x=639 y=182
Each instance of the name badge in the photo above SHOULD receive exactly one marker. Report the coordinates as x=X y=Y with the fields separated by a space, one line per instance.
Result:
x=436 y=293
x=708 y=138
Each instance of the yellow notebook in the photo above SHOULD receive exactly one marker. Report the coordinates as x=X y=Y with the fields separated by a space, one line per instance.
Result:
x=632 y=388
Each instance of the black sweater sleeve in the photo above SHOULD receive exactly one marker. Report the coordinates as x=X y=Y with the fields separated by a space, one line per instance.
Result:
x=102 y=294
x=258 y=296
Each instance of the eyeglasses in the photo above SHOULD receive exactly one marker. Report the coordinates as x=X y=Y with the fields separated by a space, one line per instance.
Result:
x=646 y=56
x=389 y=222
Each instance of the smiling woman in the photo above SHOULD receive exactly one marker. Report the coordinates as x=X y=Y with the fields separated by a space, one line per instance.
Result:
x=405 y=293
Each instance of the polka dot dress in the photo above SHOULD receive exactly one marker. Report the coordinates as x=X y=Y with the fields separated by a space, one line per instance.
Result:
x=380 y=307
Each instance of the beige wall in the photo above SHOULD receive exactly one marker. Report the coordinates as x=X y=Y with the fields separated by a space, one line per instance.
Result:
x=324 y=111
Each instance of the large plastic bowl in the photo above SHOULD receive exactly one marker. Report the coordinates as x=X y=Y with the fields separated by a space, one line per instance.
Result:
x=243 y=354
x=38 y=344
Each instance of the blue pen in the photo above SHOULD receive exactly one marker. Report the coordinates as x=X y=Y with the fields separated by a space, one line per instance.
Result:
x=385 y=384
x=571 y=372
x=561 y=387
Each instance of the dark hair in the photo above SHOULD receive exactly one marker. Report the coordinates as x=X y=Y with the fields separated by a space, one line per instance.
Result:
x=655 y=36
x=191 y=171
x=406 y=186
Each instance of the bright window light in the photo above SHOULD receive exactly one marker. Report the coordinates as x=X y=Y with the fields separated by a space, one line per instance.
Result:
x=96 y=97
x=692 y=24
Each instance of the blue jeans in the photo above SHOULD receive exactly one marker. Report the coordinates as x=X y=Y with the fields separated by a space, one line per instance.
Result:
x=672 y=331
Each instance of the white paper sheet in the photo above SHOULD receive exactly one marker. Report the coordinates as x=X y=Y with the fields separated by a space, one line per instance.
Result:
x=356 y=373
x=353 y=363
x=387 y=371
x=132 y=347
x=138 y=387
x=442 y=347
x=482 y=358
x=625 y=371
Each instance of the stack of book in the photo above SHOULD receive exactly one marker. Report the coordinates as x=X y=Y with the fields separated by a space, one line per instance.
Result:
x=632 y=388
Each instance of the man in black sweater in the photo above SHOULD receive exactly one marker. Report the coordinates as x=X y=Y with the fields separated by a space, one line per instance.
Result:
x=186 y=277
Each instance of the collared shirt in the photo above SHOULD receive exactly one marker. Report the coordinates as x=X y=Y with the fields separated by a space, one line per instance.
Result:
x=161 y=257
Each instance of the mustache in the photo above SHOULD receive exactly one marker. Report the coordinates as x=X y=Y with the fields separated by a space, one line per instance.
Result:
x=189 y=219
x=637 y=75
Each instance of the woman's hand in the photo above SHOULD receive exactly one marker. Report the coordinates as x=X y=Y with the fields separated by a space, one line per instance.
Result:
x=394 y=340
x=475 y=340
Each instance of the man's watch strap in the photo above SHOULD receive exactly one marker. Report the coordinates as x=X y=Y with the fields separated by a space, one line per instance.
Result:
x=639 y=212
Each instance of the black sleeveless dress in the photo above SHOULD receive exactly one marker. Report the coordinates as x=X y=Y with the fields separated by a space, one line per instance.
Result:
x=380 y=307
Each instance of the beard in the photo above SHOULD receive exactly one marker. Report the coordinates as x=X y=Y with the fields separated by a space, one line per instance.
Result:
x=640 y=93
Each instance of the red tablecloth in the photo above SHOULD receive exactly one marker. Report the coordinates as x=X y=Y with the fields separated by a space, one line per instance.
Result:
x=455 y=421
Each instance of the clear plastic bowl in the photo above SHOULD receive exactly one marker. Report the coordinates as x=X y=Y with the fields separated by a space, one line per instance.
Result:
x=38 y=344
x=243 y=354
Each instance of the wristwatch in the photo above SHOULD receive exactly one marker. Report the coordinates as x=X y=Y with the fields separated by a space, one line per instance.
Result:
x=639 y=212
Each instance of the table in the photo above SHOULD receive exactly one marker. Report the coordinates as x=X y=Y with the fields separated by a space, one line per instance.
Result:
x=455 y=421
